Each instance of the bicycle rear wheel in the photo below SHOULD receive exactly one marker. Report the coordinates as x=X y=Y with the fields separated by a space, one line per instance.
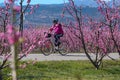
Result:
x=63 y=48
x=47 y=48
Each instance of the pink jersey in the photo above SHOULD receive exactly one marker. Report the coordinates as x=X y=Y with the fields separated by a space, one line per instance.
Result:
x=57 y=29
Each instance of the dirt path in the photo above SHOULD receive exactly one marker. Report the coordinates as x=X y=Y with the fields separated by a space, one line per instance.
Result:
x=58 y=57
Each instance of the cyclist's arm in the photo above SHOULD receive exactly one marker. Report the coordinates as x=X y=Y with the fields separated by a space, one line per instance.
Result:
x=51 y=29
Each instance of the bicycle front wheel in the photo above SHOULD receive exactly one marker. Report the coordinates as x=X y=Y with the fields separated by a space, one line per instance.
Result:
x=63 y=48
x=47 y=48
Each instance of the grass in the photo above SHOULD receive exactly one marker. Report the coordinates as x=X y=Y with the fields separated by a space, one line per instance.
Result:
x=68 y=70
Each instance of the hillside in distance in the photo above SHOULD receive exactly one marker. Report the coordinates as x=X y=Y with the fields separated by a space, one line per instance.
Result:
x=46 y=13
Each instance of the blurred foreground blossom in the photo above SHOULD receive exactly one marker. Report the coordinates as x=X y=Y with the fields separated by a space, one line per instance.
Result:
x=8 y=1
x=37 y=5
x=12 y=35
x=28 y=1
x=16 y=8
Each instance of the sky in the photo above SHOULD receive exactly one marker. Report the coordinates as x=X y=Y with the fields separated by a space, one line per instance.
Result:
x=46 y=1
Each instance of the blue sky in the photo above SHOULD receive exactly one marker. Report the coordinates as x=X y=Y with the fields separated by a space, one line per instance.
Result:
x=46 y=1
x=43 y=1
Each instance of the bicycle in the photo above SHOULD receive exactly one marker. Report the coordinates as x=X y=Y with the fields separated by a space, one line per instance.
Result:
x=48 y=46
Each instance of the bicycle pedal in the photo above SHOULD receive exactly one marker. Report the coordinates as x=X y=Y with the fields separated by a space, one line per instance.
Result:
x=56 y=50
x=56 y=47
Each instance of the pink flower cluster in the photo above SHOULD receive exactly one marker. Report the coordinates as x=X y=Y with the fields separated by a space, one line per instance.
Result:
x=28 y=1
x=8 y=1
x=12 y=35
x=16 y=8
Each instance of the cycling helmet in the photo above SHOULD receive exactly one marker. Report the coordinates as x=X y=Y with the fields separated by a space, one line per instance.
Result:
x=55 y=20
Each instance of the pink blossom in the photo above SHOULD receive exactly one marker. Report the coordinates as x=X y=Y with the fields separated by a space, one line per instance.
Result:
x=99 y=8
x=62 y=15
x=39 y=42
x=7 y=56
x=31 y=12
x=16 y=8
x=9 y=1
x=28 y=1
x=32 y=47
x=32 y=7
x=5 y=44
x=37 y=5
x=9 y=28
x=11 y=39
x=2 y=35
x=99 y=1
x=12 y=35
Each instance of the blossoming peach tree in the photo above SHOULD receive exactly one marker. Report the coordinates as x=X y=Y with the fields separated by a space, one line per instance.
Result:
x=97 y=36
x=11 y=35
x=110 y=19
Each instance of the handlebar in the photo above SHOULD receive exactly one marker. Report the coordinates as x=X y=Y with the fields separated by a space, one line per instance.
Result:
x=47 y=35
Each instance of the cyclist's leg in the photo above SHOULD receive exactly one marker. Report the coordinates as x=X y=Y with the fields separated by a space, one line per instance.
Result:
x=57 y=39
x=56 y=43
x=59 y=42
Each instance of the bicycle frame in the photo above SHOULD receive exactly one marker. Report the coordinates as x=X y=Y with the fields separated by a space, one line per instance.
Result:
x=51 y=39
x=49 y=47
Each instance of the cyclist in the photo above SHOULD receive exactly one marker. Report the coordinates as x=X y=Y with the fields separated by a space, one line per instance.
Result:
x=58 y=32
